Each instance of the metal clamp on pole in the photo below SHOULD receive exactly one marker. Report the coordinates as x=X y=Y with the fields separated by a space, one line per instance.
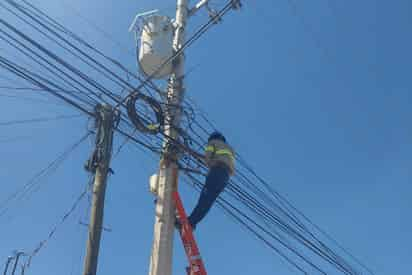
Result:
x=197 y=7
x=213 y=14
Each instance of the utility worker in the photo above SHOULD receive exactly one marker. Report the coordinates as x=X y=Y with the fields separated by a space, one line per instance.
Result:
x=220 y=159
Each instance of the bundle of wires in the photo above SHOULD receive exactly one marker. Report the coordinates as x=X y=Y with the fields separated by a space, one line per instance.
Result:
x=249 y=199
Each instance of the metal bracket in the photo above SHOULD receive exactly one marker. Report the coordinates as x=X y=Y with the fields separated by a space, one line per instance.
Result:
x=197 y=7
x=171 y=151
x=236 y=5
x=103 y=228
x=133 y=26
x=213 y=14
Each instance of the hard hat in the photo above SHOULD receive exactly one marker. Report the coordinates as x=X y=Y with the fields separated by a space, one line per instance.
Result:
x=218 y=136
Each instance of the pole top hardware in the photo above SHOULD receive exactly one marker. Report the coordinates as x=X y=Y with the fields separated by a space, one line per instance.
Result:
x=134 y=25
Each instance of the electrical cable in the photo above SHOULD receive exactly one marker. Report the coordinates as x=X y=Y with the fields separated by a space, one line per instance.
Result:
x=29 y=99
x=141 y=124
x=288 y=221
x=238 y=215
x=64 y=30
x=178 y=52
x=35 y=79
x=53 y=231
x=60 y=61
x=37 y=120
x=24 y=190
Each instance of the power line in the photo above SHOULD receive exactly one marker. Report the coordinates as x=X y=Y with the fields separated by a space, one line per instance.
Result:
x=69 y=33
x=239 y=217
x=40 y=82
x=188 y=43
x=33 y=184
x=101 y=30
x=64 y=218
x=265 y=207
x=37 y=120
x=28 y=99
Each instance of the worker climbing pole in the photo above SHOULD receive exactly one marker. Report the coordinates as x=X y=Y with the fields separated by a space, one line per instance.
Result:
x=219 y=158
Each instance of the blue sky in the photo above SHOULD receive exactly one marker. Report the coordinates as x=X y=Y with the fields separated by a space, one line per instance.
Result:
x=317 y=99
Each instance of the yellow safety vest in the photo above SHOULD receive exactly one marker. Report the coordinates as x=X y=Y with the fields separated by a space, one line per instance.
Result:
x=227 y=152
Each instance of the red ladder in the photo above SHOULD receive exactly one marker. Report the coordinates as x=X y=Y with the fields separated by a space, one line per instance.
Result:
x=196 y=266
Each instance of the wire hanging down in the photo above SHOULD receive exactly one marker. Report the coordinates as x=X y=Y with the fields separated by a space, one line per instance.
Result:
x=37 y=120
x=25 y=191
x=142 y=124
x=62 y=221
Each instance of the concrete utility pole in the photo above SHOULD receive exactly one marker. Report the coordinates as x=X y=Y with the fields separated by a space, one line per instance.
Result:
x=100 y=164
x=162 y=250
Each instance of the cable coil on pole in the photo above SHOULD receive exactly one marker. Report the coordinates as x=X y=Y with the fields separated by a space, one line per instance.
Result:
x=142 y=124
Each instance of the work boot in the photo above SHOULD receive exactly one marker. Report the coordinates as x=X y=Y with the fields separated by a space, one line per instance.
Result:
x=193 y=226
x=178 y=224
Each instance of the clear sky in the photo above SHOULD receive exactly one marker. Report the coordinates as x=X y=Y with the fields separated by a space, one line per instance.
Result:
x=317 y=97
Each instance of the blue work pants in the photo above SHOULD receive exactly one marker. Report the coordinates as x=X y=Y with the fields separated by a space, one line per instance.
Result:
x=216 y=181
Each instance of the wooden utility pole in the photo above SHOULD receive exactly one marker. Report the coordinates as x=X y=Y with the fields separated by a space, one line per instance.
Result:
x=161 y=258
x=99 y=163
